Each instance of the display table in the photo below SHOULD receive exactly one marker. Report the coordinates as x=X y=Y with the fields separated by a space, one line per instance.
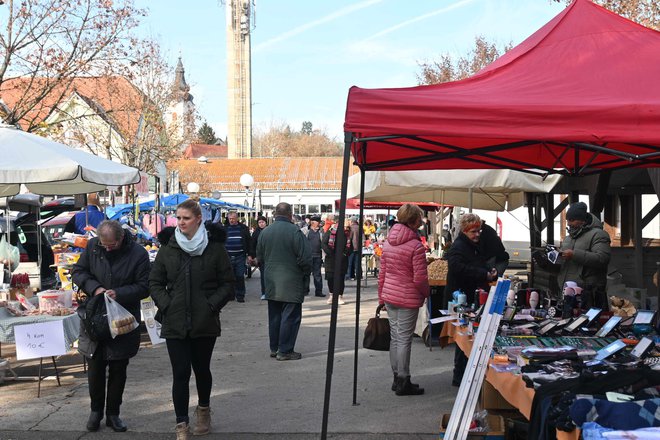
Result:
x=510 y=386
x=71 y=324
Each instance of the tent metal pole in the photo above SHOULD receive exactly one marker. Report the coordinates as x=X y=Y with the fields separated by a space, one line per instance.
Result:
x=358 y=289
x=340 y=245
x=470 y=199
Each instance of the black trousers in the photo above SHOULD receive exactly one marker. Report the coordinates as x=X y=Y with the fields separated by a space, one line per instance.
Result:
x=184 y=354
x=96 y=368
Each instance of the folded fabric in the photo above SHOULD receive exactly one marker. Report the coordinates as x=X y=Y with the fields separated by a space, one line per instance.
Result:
x=638 y=434
x=593 y=431
x=617 y=415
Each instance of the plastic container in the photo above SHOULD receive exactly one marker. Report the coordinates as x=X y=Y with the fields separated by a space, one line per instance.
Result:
x=55 y=299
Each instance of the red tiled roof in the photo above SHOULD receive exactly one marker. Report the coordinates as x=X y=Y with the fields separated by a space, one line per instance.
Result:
x=195 y=151
x=279 y=173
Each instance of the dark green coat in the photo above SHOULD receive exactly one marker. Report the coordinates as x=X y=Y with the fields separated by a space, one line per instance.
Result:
x=287 y=257
x=190 y=291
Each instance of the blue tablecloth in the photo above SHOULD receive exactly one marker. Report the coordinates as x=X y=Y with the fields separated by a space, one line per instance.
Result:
x=71 y=324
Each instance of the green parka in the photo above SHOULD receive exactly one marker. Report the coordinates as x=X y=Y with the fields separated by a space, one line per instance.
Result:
x=591 y=255
x=287 y=257
x=190 y=291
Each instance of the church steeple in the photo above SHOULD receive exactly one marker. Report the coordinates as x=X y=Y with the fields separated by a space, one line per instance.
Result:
x=180 y=89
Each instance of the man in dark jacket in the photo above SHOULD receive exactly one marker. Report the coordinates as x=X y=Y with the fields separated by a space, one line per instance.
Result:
x=285 y=251
x=238 y=247
x=262 y=222
x=315 y=236
x=112 y=264
x=585 y=253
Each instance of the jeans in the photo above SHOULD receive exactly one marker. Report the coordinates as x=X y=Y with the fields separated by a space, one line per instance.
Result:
x=316 y=272
x=283 y=325
x=96 y=368
x=238 y=266
x=184 y=353
x=402 y=325
x=352 y=265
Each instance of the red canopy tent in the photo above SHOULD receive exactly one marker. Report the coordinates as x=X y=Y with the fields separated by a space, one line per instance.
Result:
x=578 y=96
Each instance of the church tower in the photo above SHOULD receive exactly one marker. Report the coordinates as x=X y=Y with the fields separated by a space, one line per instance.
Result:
x=240 y=18
x=180 y=114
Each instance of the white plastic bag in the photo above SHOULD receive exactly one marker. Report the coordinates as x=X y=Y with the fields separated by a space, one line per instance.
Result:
x=9 y=255
x=121 y=321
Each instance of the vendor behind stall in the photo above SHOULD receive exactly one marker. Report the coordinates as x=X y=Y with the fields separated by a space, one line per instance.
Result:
x=91 y=215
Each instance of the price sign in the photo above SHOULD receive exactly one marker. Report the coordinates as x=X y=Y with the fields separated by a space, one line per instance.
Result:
x=149 y=310
x=43 y=339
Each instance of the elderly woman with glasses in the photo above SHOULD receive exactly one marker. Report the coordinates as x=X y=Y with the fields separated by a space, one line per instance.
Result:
x=468 y=271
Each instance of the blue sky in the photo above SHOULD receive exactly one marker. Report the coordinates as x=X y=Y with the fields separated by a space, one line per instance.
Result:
x=307 y=54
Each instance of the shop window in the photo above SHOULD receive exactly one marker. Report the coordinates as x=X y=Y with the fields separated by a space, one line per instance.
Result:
x=313 y=209
x=326 y=208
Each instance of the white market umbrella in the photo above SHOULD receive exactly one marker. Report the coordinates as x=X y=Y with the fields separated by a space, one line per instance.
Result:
x=494 y=190
x=46 y=167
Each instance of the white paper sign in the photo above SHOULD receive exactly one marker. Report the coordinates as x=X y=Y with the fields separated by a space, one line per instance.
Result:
x=149 y=310
x=43 y=339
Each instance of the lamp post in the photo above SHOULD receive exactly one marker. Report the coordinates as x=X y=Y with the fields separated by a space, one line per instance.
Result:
x=193 y=190
x=247 y=181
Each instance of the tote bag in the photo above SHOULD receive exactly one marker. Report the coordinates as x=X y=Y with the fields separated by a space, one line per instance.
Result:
x=377 y=333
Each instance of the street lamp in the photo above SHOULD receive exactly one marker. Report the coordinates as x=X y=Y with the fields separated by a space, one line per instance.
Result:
x=247 y=181
x=193 y=190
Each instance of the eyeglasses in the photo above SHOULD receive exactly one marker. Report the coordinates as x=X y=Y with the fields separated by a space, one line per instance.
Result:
x=109 y=246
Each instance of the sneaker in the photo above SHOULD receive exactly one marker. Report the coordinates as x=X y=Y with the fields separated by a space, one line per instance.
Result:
x=293 y=356
x=340 y=301
x=273 y=354
x=329 y=301
x=263 y=296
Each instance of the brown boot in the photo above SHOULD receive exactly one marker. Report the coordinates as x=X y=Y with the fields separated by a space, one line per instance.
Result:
x=203 y=420
x=182 y=431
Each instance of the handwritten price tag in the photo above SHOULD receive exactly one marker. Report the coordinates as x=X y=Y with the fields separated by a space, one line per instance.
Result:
x=43 y=339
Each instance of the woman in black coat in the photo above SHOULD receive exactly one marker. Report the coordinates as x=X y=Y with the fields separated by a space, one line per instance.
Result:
x=191 y=281
x=113 y=264
x=328 y=246
x=467 y=271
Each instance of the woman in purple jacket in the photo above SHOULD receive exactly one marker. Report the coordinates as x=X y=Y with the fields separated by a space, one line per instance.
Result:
x=402 y=286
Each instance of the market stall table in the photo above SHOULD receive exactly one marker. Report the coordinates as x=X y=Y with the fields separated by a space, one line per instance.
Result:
x=509 y=385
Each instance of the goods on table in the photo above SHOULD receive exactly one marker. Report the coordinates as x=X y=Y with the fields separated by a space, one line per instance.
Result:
x=55 y=299
x=124 y=325
x=437 y=270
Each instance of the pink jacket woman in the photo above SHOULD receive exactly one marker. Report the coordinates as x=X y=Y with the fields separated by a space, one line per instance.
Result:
x=403 y=278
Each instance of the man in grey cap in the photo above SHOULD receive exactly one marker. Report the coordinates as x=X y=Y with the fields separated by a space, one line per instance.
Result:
x=586 y=253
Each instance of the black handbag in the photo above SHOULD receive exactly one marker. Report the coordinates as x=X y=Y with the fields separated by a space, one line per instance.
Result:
x=95 y=318
x=377 y=333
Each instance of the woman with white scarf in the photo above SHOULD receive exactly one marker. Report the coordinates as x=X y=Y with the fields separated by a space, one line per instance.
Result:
x=191 y=280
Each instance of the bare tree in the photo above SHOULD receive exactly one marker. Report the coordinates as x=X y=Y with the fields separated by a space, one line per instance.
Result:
x=644 y=12
x=47 y=43
x=447 y=69
x=279 y=140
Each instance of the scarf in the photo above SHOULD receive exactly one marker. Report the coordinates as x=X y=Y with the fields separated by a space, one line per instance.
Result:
x=194 y=246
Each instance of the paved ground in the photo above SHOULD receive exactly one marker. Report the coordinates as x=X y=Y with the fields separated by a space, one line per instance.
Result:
x=254 y=396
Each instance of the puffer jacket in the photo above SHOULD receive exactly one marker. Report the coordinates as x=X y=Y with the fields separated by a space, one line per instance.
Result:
x=127 y=273
x=403 y=280
x=190 y=291
x=591 y=255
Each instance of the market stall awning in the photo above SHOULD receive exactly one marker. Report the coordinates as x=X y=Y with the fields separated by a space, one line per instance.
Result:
x=495 y=190
x=355 y=204
x=46 y=167
x=578 y=96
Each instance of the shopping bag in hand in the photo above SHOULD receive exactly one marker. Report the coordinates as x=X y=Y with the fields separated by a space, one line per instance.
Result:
x=9 y=255
x=121 y=321
x=377 y=333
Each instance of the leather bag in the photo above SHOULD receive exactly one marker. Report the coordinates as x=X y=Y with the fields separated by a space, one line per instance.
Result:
x=377 y=333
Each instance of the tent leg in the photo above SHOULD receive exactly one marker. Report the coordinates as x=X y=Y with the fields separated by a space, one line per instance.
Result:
x=340 y=244
x=358 y=289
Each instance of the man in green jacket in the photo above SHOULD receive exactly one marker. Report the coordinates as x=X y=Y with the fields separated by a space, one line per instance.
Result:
x=286 y=255
x=586 y=253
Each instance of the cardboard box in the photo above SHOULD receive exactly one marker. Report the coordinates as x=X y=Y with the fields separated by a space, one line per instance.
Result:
x=495 y=424
x=491 y=399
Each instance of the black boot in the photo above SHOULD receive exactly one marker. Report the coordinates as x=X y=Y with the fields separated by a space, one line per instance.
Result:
x=94 y=421
x=394 y=383
x=115 y=423
x=405 y=388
